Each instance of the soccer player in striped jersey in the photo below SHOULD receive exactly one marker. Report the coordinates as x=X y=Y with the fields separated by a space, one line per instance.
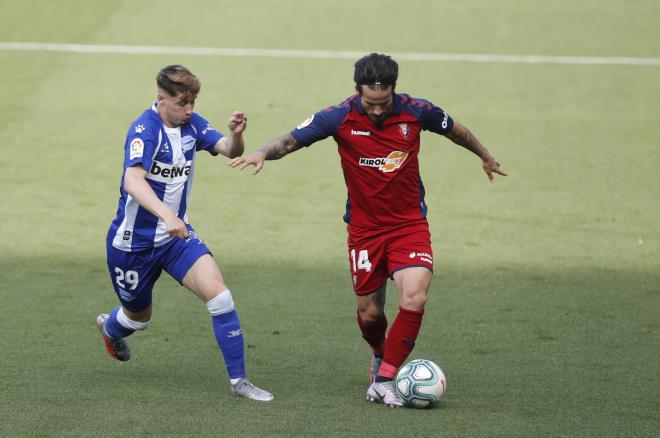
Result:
x=151 y=232
x=378 y=135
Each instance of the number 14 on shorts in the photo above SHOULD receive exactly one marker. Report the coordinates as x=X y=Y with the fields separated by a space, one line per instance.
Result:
x=362 y=260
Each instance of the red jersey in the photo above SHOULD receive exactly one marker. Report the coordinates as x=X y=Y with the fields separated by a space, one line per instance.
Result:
x=381 y=167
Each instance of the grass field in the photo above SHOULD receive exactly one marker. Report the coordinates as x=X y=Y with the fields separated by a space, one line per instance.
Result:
x=545 y=306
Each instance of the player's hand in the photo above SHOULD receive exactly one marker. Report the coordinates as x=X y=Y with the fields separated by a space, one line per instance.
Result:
x=490 y=167
x=175 y=227
x=237 y=122
x=255 y=159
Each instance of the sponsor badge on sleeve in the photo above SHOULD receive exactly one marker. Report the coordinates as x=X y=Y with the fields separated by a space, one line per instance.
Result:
x=136 y=148
x=306 y=122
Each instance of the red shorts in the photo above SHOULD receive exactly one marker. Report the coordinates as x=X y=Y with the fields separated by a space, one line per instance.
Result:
x=375 y=255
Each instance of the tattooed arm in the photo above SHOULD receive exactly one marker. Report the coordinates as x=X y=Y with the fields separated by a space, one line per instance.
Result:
x=273 y=150
x=462 y=136
x=280 y=146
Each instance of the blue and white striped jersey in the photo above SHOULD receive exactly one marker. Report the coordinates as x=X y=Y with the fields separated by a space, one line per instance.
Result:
x=168 y=156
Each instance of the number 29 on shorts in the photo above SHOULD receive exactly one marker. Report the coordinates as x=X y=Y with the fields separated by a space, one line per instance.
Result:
x=130 y=277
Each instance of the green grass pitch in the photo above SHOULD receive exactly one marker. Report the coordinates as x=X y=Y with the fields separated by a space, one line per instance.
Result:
x=544 y=311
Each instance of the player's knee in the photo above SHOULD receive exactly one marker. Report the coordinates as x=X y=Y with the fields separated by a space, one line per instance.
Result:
x=222 y=303
x=414 y=299
x=129 y=323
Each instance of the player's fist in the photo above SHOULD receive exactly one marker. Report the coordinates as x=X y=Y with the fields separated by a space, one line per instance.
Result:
x=237 y=122
x=175 y=227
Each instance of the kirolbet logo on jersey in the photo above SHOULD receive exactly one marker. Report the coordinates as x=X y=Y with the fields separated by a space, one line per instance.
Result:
x=388 y=164
x=169 y=172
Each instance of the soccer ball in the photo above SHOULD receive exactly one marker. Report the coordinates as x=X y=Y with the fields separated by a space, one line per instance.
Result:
x=420 y=383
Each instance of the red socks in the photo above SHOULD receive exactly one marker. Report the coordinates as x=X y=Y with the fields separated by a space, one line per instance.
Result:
x=400 y=341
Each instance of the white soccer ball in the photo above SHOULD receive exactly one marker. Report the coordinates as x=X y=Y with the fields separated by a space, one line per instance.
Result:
x=420 y=383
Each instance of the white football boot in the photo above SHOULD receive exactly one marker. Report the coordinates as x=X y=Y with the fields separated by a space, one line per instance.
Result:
x=244 y=388
x=384 y=393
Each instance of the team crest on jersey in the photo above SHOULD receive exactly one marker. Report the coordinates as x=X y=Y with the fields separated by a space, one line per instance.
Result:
x=306 y=122
x=403 y=127
x=187 y=143
x=136 y=148
x=387 y=164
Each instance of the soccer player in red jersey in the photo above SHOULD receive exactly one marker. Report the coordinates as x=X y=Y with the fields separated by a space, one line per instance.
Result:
x=377 y=132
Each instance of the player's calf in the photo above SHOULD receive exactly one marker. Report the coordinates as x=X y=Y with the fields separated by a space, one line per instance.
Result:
x=228 y=333
x=229 y=336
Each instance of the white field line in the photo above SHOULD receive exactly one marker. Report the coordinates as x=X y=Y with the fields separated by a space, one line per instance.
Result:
x=323 y=54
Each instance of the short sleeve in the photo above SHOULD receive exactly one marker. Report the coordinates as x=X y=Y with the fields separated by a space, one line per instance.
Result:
x=434 y=118
x=320 y=125
x=141 y=141
x=207 y=136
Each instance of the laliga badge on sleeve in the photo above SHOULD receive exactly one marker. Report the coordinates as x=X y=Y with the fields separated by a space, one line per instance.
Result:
x=136 y=148
x=306 y=122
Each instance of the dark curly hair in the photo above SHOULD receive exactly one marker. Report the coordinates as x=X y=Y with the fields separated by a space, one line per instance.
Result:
x=377 y=71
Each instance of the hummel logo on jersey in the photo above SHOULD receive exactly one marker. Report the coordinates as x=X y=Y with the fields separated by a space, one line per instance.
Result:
x=139 y=129
x=388 y=164
x=366 y=133
x=168 y=170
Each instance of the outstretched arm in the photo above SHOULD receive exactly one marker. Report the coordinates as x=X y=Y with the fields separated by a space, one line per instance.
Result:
x=462 y=136
x=273 y=150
